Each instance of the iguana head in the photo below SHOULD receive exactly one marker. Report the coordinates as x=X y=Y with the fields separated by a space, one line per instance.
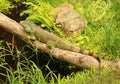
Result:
x=27 y=29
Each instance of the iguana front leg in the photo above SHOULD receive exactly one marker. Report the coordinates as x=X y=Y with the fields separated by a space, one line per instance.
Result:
x=51 y=45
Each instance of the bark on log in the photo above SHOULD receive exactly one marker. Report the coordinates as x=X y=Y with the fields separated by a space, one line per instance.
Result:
x=76 y=59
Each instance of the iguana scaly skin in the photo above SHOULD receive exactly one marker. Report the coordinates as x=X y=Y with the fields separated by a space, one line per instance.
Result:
x=45 y=37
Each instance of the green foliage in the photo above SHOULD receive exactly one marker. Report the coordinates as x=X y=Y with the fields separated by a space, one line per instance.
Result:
x=97 y=10
x=110 y=39
x=100 y=36
x=102 y=31
x=38 y=12
x=92 y=77
x=26 y=71
x=2 y=60
x=5 y=5
x=1 y=44
x=32 y=74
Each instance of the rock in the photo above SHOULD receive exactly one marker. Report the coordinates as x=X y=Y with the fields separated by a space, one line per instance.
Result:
x=61 y=8
x=71 y=21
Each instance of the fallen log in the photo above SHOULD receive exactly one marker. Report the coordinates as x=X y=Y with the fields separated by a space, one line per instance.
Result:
x=77 y=59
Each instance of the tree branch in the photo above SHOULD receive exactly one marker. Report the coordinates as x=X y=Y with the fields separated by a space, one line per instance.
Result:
x=76 y=59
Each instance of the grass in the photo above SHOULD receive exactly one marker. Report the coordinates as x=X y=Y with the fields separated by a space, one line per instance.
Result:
x=101 y=36
x=92 y=77
x=25 y=74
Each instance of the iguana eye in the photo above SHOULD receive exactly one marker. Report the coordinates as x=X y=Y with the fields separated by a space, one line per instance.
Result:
x=59 y=25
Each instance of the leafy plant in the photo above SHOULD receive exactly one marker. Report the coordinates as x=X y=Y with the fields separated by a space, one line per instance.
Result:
x=5 y=5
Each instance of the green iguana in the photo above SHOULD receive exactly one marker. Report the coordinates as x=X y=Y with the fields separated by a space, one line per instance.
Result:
x=45 y=37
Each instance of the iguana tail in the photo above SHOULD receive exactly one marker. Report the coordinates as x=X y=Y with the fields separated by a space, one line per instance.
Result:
x=82 y=51
x=86 y=52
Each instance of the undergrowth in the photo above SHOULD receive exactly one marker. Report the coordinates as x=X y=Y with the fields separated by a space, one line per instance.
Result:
x=101 y=36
